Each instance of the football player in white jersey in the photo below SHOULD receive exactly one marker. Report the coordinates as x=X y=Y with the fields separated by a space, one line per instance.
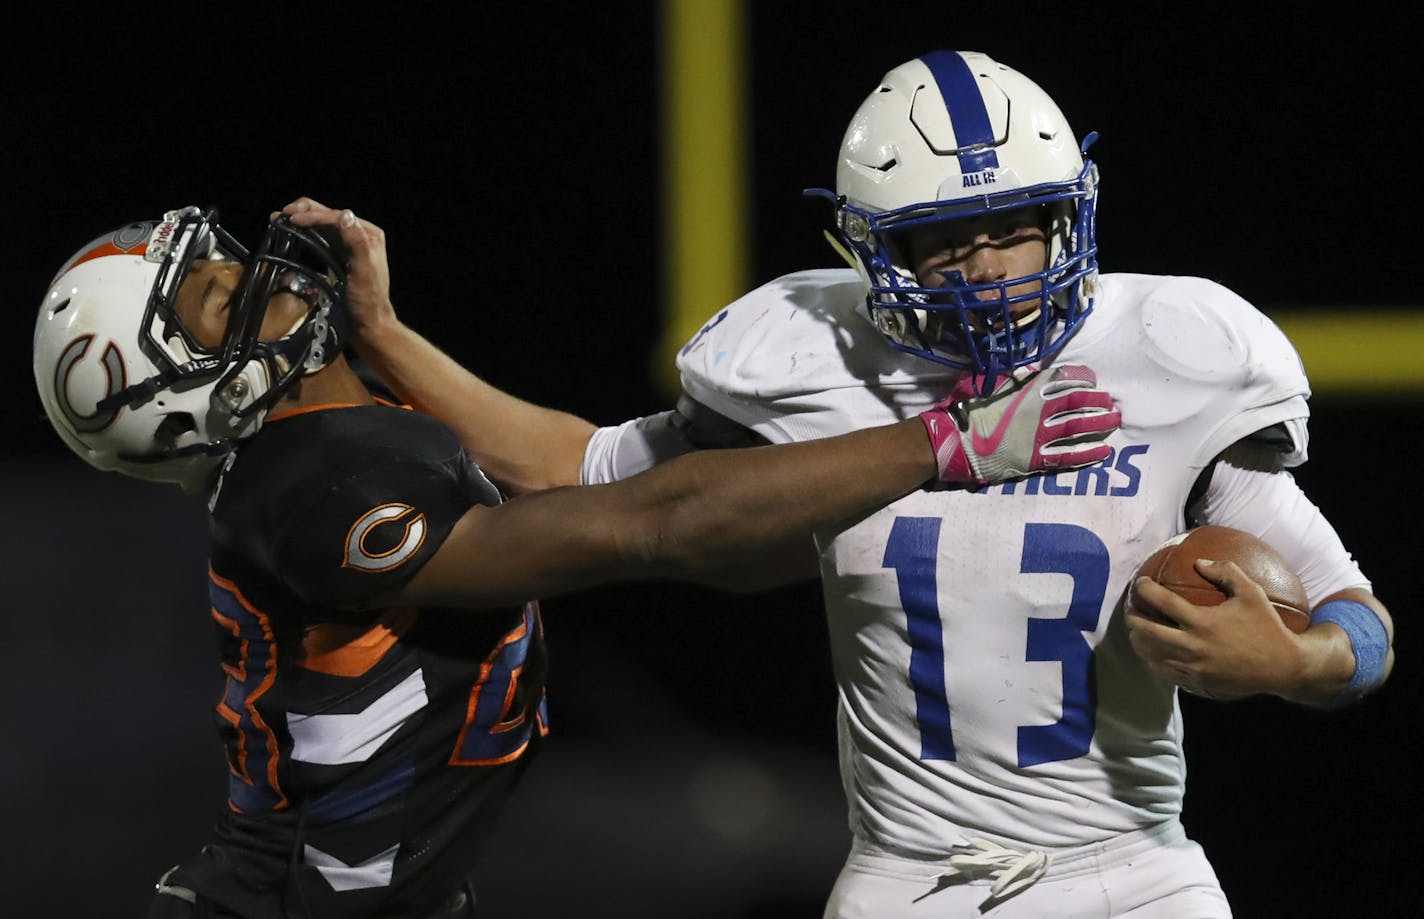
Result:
x=1010 y=736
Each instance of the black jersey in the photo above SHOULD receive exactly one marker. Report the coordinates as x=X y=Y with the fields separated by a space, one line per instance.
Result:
x=369 y=746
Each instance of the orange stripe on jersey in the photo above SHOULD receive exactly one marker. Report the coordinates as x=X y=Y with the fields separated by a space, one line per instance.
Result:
x=338 y=649
x=306 y=409
x=324 y=407
x=239 y=673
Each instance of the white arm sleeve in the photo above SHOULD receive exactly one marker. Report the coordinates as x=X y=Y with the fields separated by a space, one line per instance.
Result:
x=1250 y=491
x=629 y=448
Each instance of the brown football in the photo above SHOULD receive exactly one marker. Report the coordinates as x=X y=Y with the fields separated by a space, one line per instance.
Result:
x=1171 y=565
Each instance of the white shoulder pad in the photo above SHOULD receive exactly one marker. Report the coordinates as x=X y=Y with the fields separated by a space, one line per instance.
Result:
x=775 y=340
x=797 y=359
x=1203 y=333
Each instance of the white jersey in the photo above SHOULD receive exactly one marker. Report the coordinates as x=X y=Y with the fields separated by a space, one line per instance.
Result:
x=986 y=684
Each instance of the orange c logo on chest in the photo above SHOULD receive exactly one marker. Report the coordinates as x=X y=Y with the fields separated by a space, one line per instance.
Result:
x=359 y=540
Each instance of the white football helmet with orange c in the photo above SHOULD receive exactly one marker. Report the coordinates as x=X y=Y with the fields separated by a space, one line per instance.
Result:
x=125 y=383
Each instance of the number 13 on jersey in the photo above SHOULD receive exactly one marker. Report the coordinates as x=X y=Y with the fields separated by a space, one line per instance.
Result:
x=1057 y=548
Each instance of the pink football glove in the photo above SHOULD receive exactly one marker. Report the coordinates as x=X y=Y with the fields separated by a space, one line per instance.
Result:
x=1033 y=422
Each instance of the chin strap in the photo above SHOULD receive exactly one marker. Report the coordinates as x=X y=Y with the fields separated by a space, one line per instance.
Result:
x=144 y=390
x=213 y=448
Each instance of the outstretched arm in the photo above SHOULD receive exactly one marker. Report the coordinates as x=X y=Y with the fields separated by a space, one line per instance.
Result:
x=697 y=517
x=522 y=446
x=704 y=515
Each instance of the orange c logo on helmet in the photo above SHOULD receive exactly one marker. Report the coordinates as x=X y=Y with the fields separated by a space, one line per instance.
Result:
x=112 y=362
x=360 y=558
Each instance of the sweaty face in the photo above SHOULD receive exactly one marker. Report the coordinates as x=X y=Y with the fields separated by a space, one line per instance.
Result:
x=987 y=249
x=205 y=297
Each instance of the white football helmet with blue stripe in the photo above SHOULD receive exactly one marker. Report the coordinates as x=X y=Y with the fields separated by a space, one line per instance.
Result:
x=953 y=135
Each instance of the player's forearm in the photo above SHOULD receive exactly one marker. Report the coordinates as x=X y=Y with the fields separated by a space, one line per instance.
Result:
x=522 y=446
x=693 y=518
x=702 y=513
x=1329 y=659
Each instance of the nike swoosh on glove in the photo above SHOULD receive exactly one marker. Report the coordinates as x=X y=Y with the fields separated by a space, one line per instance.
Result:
x=1035 y=421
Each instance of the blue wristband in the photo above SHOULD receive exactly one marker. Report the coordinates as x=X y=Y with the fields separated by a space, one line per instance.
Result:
x=1368 y=639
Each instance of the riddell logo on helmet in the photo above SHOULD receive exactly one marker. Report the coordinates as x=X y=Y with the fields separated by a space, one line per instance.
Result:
x=984 y=177
x=163 y=233
x=160 y=241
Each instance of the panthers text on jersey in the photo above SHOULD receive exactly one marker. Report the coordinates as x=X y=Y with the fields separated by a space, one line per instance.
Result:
x=370 y=747
x=987 y=687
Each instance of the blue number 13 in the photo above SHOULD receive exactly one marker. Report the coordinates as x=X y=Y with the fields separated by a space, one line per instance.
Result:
x=912 y=552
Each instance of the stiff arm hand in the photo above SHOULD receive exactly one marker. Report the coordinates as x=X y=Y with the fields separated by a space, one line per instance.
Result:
x=1033 y=422
x=368 y=286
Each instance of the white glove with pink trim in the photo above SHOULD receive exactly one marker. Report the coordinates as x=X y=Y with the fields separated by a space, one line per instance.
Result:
x=1032 y=422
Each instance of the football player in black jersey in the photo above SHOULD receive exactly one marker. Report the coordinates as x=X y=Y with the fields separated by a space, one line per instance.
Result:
x=373 y=594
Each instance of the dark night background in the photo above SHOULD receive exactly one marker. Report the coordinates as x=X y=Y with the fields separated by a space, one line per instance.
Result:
x=512 y=155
